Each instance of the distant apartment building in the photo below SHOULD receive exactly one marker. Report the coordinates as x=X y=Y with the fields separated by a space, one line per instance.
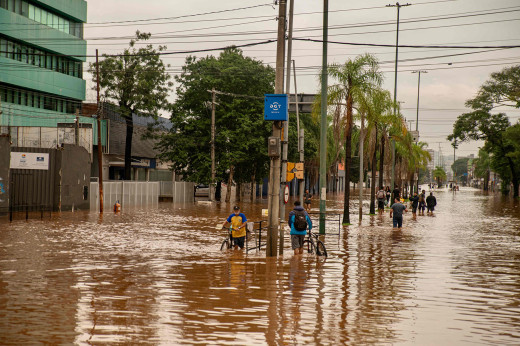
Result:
x=42 y=54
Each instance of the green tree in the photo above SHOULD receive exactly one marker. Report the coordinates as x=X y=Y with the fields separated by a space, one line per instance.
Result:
x=377 y=106
x=349 y=81
x=241 y=132
x=501 y=90
x=491 y=128
x=483 y=167
x=439 y=174
x=460 y=169
x=138 y=82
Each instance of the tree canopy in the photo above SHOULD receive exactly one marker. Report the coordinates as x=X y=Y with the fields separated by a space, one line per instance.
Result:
x=501 y=139
x=137 y=81
x=241 y=133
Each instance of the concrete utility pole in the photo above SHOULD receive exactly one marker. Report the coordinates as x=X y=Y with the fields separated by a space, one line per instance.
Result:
x=212 y=184
x=100 y=150
x=323 y=122
x=417 y=118
x=285 y=138
x=361 y=140
x=274 y=172
x=395 y=90
x=300 y=134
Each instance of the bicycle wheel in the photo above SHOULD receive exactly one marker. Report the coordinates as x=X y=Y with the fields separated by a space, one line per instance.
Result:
x=309 y=245
x=320 y=249
x=225 y=245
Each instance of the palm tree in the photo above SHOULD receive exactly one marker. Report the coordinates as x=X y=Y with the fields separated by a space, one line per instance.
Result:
x=354 y=78
x=377 y=107
x=439 y=174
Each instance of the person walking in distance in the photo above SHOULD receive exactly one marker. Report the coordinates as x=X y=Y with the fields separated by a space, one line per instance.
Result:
x=381 y=197
x=396 y=213
x=431 y=202
x=299 y=221
x=422 y=202
x=307 y=200
x=238 y=225
x=388 y=195
x=415 y=203
x=396 y=193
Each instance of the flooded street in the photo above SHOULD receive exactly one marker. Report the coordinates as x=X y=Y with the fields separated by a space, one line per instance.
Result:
x=157 y=276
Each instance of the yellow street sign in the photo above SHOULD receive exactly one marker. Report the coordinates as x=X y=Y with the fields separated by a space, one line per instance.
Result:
x=290 y=176
x=299 y=166
x=299 y=174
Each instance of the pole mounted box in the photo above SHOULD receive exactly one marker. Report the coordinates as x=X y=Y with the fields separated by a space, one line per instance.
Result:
x=273 y=146
x=276 y=107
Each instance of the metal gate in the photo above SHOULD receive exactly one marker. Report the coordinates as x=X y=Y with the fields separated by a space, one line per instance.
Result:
x=34 y=190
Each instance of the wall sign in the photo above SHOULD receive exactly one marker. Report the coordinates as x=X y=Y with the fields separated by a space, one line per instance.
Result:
x=21 y=160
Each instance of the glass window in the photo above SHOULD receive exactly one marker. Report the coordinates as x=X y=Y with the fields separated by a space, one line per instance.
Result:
x=23 y=51
x=31 y=11
x=36 y=61
x=25 y=9
x=3 y=4
x=38 y=15
x=65 y=26
x=49 y=19
x=11 y=5
x=3 y=47
x=45 y=14
x=10 y=50
x=18 y=6
x=17 y=52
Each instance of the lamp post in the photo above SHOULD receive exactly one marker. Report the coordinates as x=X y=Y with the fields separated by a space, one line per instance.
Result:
x=323 y=122
x=395 y=89
x=417 y=118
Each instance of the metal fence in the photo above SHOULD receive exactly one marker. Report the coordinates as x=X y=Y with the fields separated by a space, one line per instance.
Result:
x=128 y=193
x=177 y=191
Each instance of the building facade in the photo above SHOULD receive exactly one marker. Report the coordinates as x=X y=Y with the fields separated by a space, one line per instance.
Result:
x=42 y=54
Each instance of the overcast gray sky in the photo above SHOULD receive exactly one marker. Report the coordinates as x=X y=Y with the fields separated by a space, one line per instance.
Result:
x=450 y=81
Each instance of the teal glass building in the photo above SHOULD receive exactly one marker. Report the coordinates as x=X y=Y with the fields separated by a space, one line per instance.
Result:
x=42 y=54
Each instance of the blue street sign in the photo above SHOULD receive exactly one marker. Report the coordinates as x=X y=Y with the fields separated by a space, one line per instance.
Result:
x=276 y=107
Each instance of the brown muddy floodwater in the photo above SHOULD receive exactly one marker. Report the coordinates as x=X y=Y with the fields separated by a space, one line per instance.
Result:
x=157 y=277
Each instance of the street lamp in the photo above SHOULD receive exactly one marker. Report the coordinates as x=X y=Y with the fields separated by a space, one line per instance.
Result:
x=417 y=119
x=395 y=87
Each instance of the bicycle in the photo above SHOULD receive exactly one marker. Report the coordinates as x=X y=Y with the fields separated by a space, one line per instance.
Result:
x=317 y=248
x=228 y=242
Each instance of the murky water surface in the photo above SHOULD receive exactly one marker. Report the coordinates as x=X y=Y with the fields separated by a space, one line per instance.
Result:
x=156 y=276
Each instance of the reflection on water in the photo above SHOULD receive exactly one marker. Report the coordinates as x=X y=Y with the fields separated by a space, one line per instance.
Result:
x=156 y=276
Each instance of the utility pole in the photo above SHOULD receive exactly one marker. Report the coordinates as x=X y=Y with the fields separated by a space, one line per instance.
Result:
x=285 y=135
x=417 y=119
x=323 y=122
x=300 y=134
x=362 y=139
x=212 y=184
x=274 y=172
x=395 y=91
x=100 y=150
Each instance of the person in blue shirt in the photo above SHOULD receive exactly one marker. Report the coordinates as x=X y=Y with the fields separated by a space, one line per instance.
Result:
x=238 y=225
x=299 y=221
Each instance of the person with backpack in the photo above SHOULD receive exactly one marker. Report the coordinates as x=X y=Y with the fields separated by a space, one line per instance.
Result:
x=299 y=221
x=422 y=202
x=431 y=202
x=381 y=198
